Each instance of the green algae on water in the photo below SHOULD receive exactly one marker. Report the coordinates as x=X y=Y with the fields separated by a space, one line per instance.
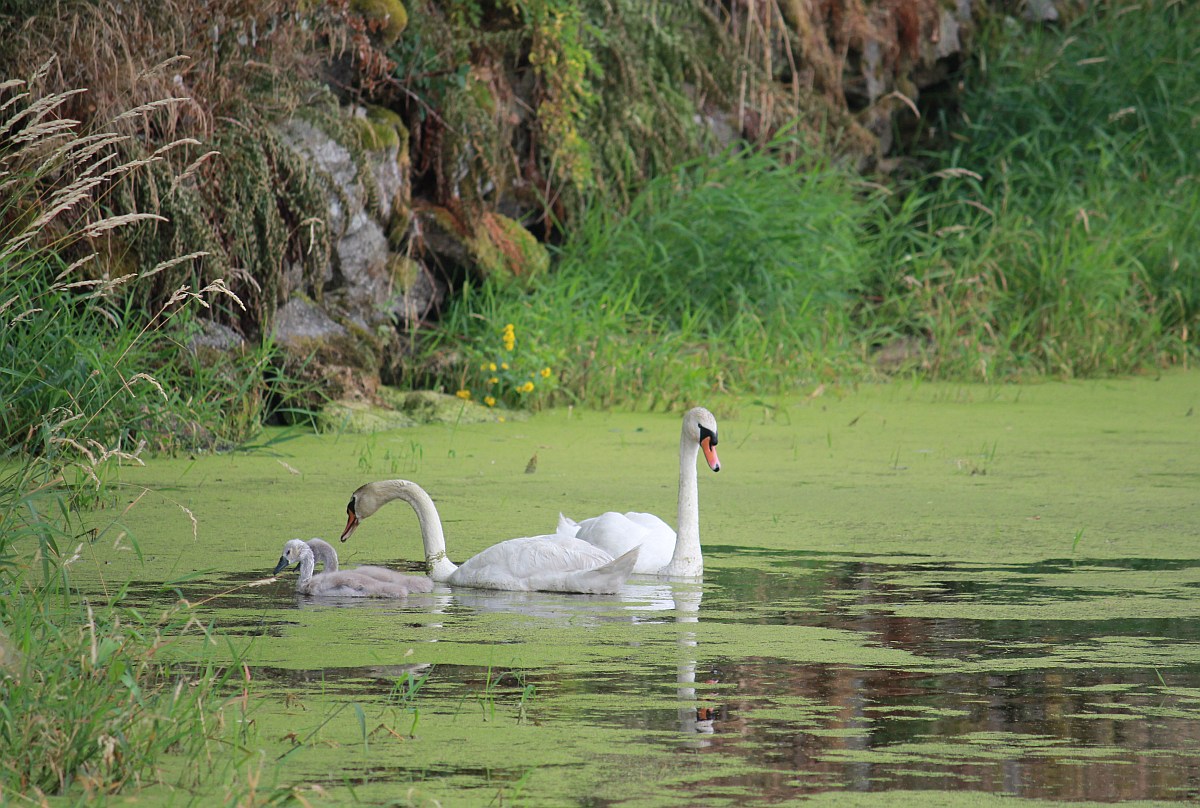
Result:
x=898 y=603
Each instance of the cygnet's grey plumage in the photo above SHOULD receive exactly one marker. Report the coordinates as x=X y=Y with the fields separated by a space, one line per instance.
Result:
x=326 y=554
x=344 y=583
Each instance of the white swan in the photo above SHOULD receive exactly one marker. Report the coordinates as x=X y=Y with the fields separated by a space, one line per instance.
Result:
x=552 y=563
x=324 y=553
x=344 y=583
x=661 y=552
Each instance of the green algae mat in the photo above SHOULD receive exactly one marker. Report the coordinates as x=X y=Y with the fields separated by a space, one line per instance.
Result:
x=914 y=594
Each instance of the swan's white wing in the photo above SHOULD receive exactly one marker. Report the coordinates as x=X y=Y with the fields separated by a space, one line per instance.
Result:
x=618 y=533
x=551 y=563
x=660 y=529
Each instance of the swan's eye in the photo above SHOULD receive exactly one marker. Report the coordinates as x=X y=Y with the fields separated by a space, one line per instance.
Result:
x=705 y=432
x=350 y=506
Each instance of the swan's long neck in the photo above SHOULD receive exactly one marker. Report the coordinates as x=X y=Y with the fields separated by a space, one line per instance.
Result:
x=440 y=567
x=687 y=558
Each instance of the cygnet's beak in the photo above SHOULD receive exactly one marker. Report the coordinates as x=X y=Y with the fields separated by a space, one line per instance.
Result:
x=282 y=565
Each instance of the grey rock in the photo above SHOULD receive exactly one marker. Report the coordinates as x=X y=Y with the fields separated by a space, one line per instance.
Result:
x=214 y=337
x=301 y=321
x=1040 y=11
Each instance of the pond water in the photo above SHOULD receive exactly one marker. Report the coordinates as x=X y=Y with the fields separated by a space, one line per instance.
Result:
x=913 y=594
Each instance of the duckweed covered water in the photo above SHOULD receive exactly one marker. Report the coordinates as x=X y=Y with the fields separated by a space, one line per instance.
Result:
x=912 y=593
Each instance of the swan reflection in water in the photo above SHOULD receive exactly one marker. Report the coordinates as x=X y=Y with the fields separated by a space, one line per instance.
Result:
x=695 y=718
x=639 y=602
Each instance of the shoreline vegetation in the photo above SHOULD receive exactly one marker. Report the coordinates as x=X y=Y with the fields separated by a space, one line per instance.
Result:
x=1052 y=233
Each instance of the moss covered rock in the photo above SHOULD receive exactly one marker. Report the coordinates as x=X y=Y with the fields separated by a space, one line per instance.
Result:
x=379 y=128
x=397 y=409
x=490 y=245
x=386 y=19
x=502 y=247
x=404 y=272
x=428 y=407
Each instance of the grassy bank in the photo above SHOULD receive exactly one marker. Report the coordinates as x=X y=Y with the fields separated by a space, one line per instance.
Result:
x=89 y=702
x=1059 y=235
x=730 y=272
x=1055 y=236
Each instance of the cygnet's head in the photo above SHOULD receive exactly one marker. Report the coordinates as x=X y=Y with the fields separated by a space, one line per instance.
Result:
x=293 y=549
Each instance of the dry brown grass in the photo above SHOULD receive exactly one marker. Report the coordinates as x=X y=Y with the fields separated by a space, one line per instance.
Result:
x=207 y=74
x=129 y=54
x=793 y=58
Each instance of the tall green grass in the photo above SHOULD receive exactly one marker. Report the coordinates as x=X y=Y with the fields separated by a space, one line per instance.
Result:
x=77 y=363
x=730 y=272
x=89 y=707
x=89 y=703
x=1058 y=234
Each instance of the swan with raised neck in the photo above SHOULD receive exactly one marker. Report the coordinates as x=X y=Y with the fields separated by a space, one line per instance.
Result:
x=663 y=551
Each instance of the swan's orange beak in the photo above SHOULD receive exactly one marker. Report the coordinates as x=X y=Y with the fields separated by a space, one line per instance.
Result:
x=710 y=453
x=351 y=523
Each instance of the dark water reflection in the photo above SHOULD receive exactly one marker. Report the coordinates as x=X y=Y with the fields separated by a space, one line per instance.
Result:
x=1032 y=734
x=1101 y=732
x=1024 y=707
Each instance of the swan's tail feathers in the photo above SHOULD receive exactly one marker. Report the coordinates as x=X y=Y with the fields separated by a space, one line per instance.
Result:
x=624 y=564
x=567 y=526
x=606 y=579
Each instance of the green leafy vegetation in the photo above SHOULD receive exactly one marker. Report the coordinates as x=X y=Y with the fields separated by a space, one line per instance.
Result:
x=82 y=370
x=1056 y=237
x=88 y=701
x=1059 y=234
x=725 y=272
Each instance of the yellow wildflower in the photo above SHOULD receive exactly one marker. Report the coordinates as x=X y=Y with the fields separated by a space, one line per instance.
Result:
x=545 y=373
x=465 y=395
x=504 y=366
x=491 y=402
x=493 y=380
x=491 y=366
x=526 y=388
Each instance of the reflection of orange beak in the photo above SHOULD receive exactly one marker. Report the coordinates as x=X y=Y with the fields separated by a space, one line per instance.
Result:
x=351 y=523
x=710 y=455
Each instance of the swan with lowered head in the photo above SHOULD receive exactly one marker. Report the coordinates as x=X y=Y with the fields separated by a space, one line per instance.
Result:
x=344 y=583
x=324 y=553
x=553 y=563
x=662 y=551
